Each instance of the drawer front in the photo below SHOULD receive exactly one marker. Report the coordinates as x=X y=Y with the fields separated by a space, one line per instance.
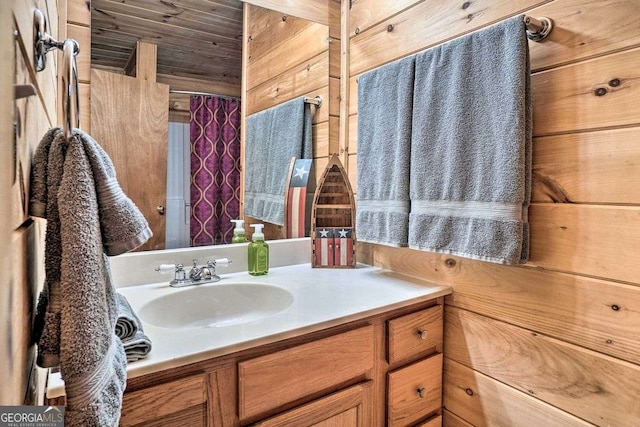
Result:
x=273 y=380
x=415 y=391
x=186 y=397
x=414 y=334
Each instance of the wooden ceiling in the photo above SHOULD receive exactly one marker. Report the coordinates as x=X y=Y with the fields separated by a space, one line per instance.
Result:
x=198 y=40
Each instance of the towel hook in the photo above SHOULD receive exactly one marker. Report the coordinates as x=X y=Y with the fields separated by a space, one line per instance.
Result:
x=537 y=29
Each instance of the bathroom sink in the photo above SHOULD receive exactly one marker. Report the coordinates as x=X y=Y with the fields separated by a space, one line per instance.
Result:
x=211 y=306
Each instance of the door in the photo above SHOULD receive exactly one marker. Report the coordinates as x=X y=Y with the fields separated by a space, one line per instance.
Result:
x=130 y=120
x=351 y=407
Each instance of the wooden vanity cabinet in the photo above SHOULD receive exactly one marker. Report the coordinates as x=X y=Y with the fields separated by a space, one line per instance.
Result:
x=382 y=370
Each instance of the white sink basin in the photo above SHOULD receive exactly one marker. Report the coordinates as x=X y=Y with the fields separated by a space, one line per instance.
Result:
x=211 y=306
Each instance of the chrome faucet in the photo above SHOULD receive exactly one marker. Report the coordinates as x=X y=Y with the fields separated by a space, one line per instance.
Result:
x=198 y=275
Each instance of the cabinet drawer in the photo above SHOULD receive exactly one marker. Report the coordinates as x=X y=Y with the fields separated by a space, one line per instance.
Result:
x=273 y=380
x=415 y=391
x=414 y=334
x=180 y=399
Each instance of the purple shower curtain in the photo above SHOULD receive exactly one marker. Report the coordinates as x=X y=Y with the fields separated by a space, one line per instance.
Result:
x=215 y=169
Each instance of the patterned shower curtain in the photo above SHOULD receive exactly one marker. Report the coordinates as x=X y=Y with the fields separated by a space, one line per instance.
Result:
x=215 y=169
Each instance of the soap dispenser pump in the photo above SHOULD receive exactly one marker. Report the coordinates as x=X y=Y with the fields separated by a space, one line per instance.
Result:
x=238 y=231
x=258 y=253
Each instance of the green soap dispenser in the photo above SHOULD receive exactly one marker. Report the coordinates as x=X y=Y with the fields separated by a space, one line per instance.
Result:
x=238 y=231
x=258 y=253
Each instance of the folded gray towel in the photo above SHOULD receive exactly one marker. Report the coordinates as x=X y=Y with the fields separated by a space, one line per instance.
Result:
x=274 y=136
x=138 y=347
x=385 y=101
x=471 y=146
x=128 y=323
x=129 y=329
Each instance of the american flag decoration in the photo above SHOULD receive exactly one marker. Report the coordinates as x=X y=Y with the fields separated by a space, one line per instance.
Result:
x=333 y=217
x=299 y=198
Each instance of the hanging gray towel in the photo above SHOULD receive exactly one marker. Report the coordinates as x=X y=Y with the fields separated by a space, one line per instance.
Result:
x=471 y=146
x=77 y=310
x=274 y=136
x=385 y=102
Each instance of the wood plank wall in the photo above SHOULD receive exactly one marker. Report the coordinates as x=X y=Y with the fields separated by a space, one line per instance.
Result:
x=554 y=342
x=287 y=57
x=23 y=247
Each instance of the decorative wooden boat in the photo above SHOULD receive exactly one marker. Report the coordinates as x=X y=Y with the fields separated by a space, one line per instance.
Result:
x=333 y=233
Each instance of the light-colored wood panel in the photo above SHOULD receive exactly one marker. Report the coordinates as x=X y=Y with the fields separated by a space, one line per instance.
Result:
x=345 y=58
x=162 y=400
x=432 y=422
x=230 y=10
x=425 y=25
x=299 y=80
x=589 y=385
x=333 y=95
x=484 y=401
x=366 y=13
x=268 y=29
x=334 y=58
x=414 y=391
x=83 y=36
x=125 y=109
x=321 y=139
x=351 y=171
x=353 y=134
x=415 y=334
x=601 y=92
x=302 y=371
x=334 y=128
x=600 y=241
x=84 y=91
x=319 y=11
x=320 y=164
x=583 y=29
x=146 y=60
x=585 y=167
x=79 y=12
x=349 y=407
x=288 y=54
x=450 y=419
x=572 y=308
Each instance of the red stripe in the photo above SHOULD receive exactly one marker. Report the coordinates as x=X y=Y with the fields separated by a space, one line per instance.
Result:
x=301 y=211
x=289 y=219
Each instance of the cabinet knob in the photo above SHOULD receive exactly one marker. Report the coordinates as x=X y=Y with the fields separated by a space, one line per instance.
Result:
x=160 y=209
x=422 y=333
x=421 y=391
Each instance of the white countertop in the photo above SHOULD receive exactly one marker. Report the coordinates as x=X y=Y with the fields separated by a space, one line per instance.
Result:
x=322 y=298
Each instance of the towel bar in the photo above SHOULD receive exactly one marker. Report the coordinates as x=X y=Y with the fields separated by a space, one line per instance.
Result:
x=44 y=43
x=537 y=29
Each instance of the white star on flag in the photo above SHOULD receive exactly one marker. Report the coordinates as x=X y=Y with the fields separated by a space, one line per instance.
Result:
x=301 y=172
x=324 y=233
x=343 y=233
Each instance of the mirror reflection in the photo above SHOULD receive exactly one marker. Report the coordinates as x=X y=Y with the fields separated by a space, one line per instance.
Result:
x=168 y=106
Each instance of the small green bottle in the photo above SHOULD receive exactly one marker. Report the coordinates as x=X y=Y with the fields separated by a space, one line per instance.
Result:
x=258 y=253
x=238 y=231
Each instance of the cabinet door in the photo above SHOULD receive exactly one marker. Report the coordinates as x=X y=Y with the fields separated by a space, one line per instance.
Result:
x=351 y=407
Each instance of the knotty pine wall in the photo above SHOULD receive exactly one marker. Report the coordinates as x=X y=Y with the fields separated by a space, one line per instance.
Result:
x=554 y=342
x=287 y=57
x=23 y=246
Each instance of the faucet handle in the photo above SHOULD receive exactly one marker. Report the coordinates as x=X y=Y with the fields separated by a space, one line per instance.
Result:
x=167 y=268
x=220 y=262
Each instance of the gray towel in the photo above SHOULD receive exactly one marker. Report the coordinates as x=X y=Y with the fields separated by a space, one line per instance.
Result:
x=79 y=300
x=385 y=102
x=471 y=146
x=274 y=136
x=129 y=329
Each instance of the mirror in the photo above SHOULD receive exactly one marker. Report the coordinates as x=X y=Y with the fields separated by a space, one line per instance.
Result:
x=200 y=48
